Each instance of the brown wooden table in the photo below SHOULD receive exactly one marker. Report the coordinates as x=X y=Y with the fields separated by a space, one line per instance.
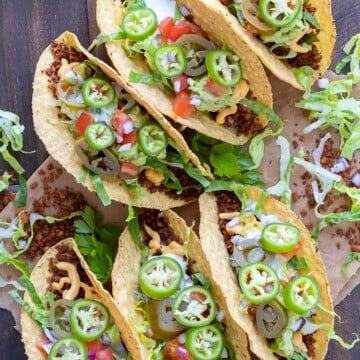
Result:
x=26 y=28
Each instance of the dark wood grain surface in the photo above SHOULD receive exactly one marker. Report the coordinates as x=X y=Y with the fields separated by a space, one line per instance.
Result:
x=26 y=28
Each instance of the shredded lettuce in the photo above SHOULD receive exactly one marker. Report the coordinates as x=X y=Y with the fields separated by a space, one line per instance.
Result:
x=4 y=181
x=20 y=200
x=352 y=192
x=12 y=283
x=100 y=189
x=303 y=76
x=282 y=188
x=352 y=49
x=10 y=259
x=256 y=147
x=352 y=256
x=145 y=78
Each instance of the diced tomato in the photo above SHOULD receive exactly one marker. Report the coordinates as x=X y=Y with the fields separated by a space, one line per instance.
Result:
x=182 y=80
x=225 y=2
x=105 y=354
x=250 y=29
x=173 y=350
x=40 y=346
x=198 y=296
x=82 y=123
x=166 y=26
x=181 y=28
x=293 y=252
x=129 y=138
x=181 y=104
x=95 y=345
x=198 y=31
x=290 y=5
x=118 y=121
x=128 y=170
x=215 y=89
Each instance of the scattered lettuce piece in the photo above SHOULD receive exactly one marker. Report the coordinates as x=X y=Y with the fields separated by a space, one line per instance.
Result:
x=352 y=256
x=298 y=263
x=303 y=76
x=352 y=192
x=21 y=197
x=10 y=259
x=282 y=188
x=352 y=49
x=4 y=182
x=100 y=189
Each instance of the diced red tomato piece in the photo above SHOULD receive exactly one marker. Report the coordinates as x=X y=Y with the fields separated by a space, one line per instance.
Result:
x=215 y=89
x=128 y=170
x=166 y=26
x=82 y=123
x=293 y=252
x=173 y=350
x=118 y=121
x=182 y=81
x=181 y=104
x=105 y=354
x=40 y=346
x=225 y=2
x=198 y=296
x=250 y=29
x=129 y=138
x=181 y=28
x=290 y=5
x=95 y=345
x=198 y=31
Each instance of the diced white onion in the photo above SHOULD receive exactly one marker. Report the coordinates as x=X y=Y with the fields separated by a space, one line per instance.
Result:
x=224 y=354
x=177 y=86
x=125 y=147
x=47 y=347
x=268 y=219
x=220 y=316
x=309 y=328
x=196 y=101
x=128 y=127
x=322 y=83
x=237 y=240
x=50 y=335
x=182 y=338
x=298 y=324
x=237 y=1
x=244 y=304
x=340 y=165
x=356 y=179
x=22 y=244
x=184 y=11
x=119 y=138
x=190 y=81
x=117 y=87
x=233 y=222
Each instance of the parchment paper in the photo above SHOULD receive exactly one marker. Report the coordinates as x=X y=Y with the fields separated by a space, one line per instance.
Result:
x=332 y=247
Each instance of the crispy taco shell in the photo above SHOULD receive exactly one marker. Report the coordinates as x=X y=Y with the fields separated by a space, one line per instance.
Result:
x=32 y=333
x=232 y=32
x=253 y=72
x=59 y=141
x=223 y=277
x=125 y=282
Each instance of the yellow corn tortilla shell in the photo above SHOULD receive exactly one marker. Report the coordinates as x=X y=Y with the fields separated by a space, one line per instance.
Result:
x=32 y=332
x=253 y=72
x=279 y=68
x=125 y=283
x=222 y=275
x=59 y=142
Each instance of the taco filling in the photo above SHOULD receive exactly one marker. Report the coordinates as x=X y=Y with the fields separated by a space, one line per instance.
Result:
x=186 y=64
x=289 y=29
x=180 y=318
x=278 y=291
x=79 y=326
x=114 y=136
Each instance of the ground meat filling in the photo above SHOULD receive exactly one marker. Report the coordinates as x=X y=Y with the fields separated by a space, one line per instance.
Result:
x=65 y=254
x=226 y=202
x=157 y=221
x=309 y=342
x=60 y=51
x=191 y=192
x=244 y=121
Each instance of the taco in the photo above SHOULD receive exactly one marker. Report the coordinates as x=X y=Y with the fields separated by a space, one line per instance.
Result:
x=268 y=269
x=86 y=119
x=160 y=284
x=285 y=35
x=187 y=74
x=76 y=318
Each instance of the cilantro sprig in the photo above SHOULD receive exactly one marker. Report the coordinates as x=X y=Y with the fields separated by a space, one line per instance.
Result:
x=97 y=242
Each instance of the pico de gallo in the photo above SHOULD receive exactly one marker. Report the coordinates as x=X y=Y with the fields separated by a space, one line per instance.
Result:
x=277 y=288
x=115 y=136
x=184 y=61
x=181 y=319
x=289 y=29
x=78 y=325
